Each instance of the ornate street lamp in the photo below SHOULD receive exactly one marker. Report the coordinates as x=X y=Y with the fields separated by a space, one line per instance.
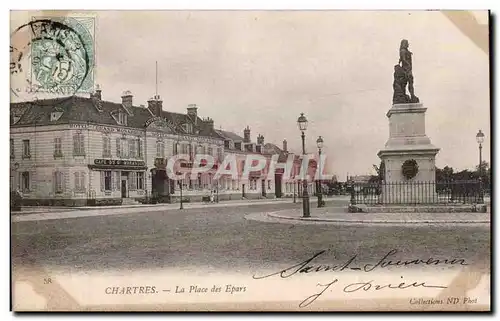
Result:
x=319 y=192
x=302 y=123
x=480 y=140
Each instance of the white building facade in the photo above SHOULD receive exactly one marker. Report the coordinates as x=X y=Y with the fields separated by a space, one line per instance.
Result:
x=80 y=151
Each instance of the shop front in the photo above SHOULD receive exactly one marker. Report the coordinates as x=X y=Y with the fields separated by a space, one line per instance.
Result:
x=120 y=181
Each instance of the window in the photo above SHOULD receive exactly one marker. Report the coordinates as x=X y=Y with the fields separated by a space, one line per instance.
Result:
x=26 y=148
x=221 y=154
x=237 y=146
x=25 y=181
x=210 y=151
x=118 y=147
x=106 y=146
x=188 y=127
x=183 y=148
x=122 y=118
x=12 y=149
x=107 y=181
x=57 y=147
x=78 y=145
x=226 y=144
x=259 y=149
x=160 y=149
x=58 y=182
x=132 y=153
x=269 y=184
x=118 y=181
x=79 y=181
x=132 y=181
x=140 y=180
x=176 y=148
x=139 y=148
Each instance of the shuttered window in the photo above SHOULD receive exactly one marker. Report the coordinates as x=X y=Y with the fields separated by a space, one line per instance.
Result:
x=57 y=147
x=106 y=146
x=132 y=151
x=79 y=181
x=160 y=149
x=139 y=149
x=118 y=148
x=78 y=145
x=58 y=182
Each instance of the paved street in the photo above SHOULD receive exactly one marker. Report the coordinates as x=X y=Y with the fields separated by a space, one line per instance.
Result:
x=221 y=238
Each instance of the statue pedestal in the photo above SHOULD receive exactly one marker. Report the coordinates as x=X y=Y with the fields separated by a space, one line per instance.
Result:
x=408 y=141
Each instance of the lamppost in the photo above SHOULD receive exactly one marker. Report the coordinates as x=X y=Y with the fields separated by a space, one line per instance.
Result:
x=294 y=191
x=480 y=140
x=302 y=123
x=180 y=185
x=319 y=192
x=217 y=189
x=148 y=179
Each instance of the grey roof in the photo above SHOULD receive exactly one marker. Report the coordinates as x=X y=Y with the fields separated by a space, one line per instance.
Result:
x=92 y=110
x=229 y=135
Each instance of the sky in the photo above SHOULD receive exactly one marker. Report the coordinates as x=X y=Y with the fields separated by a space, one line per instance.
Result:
x=263 y=68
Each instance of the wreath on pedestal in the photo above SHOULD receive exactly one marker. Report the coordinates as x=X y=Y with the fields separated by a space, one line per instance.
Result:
x=410 y=168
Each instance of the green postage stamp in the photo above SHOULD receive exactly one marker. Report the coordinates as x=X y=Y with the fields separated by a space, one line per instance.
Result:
x=53 y=56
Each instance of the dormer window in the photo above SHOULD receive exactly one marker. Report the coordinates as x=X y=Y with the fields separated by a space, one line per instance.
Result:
x=122 y=118
x=15 y=119
x=237 y=146
x=55 y=115
x=188 y=128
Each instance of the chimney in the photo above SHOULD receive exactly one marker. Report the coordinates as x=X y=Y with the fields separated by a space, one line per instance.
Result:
x=98 y=92
x=192 y=112
x=209 y=122
x=285 y=146
x=155 y=105
x=246 y=135
x=127 y=99
x=260 y=139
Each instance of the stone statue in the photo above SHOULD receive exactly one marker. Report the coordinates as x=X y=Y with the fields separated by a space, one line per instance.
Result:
x=399 y=86
x=403 y=76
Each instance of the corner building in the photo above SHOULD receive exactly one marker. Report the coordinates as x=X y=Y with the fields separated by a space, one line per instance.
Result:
x=78 y=151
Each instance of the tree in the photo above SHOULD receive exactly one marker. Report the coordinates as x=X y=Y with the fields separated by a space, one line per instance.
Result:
x=380 y=172
x=484 y=171
x=445 y=174
x=483 y=168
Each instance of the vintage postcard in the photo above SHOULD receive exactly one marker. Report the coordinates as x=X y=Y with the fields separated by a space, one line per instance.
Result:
x=250 y=160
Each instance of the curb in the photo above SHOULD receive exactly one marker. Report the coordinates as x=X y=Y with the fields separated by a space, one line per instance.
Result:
x=314 y=219
x=160 y=205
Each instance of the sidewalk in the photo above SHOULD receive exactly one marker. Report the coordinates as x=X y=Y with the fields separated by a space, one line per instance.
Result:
x=327 y=215
x=86 y=211
x=51 y=209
